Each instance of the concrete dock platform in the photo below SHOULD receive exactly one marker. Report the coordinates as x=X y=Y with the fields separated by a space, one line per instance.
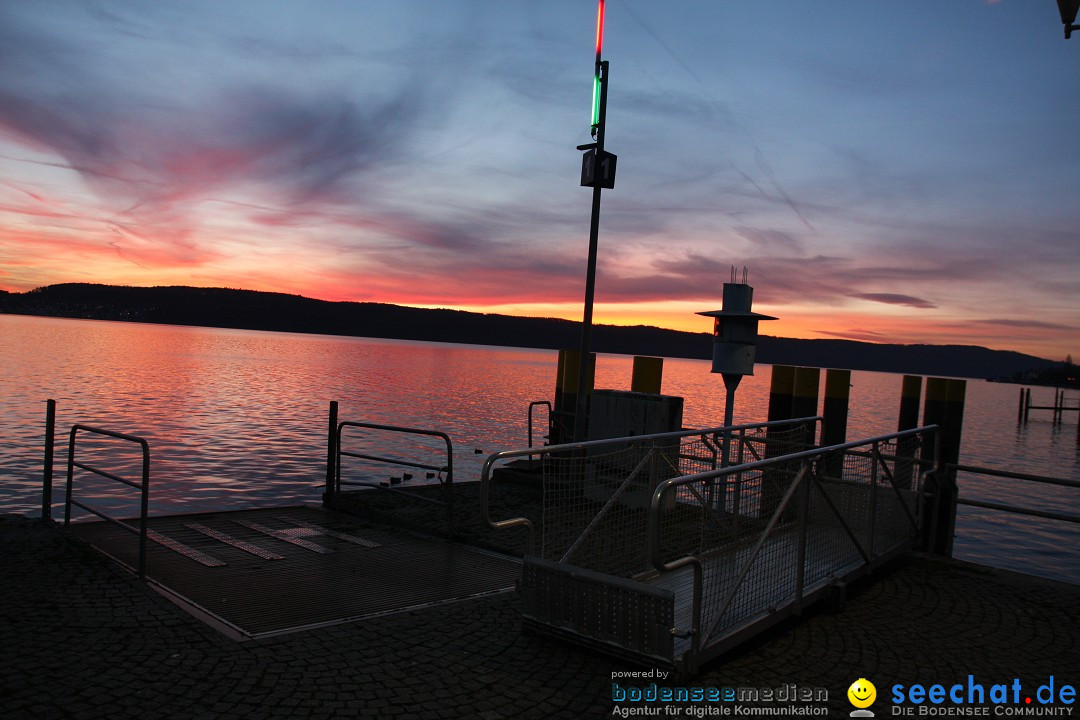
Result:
x=84 y=639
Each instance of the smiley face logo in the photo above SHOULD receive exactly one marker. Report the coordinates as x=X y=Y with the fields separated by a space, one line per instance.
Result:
x=862 y=693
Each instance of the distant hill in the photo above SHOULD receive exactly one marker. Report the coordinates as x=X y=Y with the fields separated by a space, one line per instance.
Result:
x=221 y=307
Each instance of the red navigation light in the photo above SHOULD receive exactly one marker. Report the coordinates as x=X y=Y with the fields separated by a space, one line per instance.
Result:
x=599 y=30
x=596 y=72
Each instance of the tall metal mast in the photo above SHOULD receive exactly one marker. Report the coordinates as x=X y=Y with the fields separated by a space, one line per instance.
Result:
x=597 y=172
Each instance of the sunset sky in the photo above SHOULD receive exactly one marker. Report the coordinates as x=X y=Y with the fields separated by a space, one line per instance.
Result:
x=893 y=172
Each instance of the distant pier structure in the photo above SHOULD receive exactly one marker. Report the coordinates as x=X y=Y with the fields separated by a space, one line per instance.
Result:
x=1060 y=406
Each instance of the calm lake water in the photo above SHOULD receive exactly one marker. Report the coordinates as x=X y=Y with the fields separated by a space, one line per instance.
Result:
x=237 y=418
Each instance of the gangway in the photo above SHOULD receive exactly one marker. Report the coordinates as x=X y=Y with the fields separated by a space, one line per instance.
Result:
x=643 y=553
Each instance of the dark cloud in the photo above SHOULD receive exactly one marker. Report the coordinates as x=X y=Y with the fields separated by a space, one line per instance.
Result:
x=1025 y=323
x=895 y=299
x=862 y=335
x=122 y=129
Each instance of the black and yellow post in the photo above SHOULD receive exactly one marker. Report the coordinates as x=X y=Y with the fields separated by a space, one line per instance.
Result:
x=648 y=374
x=773 y=481
x=780 y=389
x=906 y=449
x=804 y=397
x=835 y=415
x=944 y=407
x=835 y=407
x=573 y=383
x=557 y=425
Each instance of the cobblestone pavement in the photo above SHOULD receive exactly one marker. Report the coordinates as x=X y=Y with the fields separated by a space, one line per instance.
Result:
x=83 y=639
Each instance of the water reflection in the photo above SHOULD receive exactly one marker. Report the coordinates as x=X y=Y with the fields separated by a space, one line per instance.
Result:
x=237 y=418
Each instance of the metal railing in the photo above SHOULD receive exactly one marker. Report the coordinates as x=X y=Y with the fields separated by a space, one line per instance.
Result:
x=444 y=471
x=833 y=512
x=633 y=466
x=143 y=486
x=1020 y=510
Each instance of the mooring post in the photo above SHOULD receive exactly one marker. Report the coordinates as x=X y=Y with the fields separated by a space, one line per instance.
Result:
x=835 y=416
x=804 y=398
x=331 y=454
x=944 y=407
x=835 y=407
x=573 y=384
x=558 y=407
x=1020 y=409
x=1027 y=406
x=910 y=394
x=780 y=390
x=648 y=374
x=47 y=470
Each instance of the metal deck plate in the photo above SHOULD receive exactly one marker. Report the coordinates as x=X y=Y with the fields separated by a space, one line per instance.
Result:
x=360 y=570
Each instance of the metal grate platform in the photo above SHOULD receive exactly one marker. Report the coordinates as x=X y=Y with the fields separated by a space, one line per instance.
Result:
x=266 y=572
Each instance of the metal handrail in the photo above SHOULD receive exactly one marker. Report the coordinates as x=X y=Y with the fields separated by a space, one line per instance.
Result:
x=486 y=473
x=653 y=551
x=447 y=468
x=143 y=486
x=1019 y=510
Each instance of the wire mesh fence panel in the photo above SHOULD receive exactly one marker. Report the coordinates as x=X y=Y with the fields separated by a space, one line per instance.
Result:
x=778 y=529
x=596 y=500
x=596 y=505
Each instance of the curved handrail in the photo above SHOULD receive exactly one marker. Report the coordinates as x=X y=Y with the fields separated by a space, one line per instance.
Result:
x=142 y=486
x=448 y=467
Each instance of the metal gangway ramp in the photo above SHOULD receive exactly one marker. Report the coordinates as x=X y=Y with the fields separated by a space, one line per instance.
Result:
x=655 y=549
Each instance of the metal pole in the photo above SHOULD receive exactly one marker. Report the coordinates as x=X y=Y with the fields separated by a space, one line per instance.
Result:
x=731 y=384
x=47 y=472
x=585 y=370
x=331 y=453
